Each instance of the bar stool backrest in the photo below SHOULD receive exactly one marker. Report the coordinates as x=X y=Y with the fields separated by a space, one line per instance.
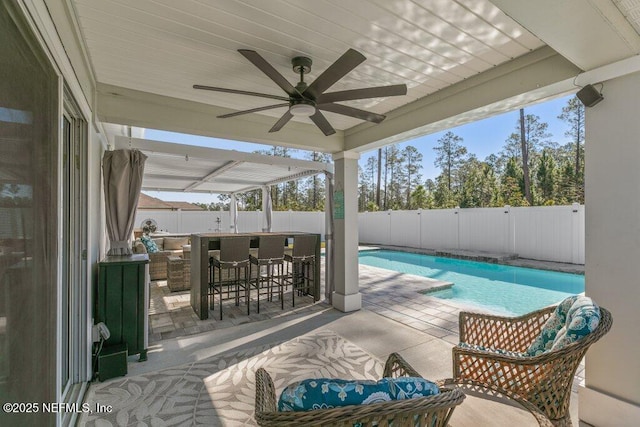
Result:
x=304 y=247
x=271 y=247
x=234 y=249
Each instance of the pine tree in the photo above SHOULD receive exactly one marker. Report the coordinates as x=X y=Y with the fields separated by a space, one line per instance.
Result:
x=412 y=166
x=450 y=154
x=511 y=185
x=546 y=178
x=573 y=115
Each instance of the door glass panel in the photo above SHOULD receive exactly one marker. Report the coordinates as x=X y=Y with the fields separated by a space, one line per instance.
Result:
x=28 y=220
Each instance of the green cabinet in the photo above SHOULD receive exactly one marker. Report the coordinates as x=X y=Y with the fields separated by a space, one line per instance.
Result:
x=122 y=301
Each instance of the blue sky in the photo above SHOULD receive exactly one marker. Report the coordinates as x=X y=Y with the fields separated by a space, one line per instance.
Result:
x=481 y=138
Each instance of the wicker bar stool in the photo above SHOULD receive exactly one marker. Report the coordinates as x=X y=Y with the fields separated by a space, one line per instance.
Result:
x=233 y=258
x=302 y=260
x=269 y=258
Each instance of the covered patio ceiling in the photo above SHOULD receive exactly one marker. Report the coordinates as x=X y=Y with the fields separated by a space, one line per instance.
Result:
x=462 y=60
x=188 y=168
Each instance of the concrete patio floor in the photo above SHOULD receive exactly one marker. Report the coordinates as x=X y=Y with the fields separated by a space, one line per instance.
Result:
x=395 y=317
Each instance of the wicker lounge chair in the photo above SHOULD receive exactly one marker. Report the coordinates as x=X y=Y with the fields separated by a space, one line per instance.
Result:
x=543 y=381
x=425 y=411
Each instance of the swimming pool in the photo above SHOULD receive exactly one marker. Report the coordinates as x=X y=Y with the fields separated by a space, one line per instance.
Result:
x=500 y=288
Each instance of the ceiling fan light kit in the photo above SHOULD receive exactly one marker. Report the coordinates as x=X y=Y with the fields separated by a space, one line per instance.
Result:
x=302 y=110
x=308 y=100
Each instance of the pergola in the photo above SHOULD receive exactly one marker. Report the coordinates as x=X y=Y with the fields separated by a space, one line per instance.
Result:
x=193 y=169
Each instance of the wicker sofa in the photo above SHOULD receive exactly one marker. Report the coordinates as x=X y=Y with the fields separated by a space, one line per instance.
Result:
x=168 y=245
x=433 y=410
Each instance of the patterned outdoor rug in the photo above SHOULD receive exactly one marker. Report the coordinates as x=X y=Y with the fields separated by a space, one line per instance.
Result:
x=220 y=391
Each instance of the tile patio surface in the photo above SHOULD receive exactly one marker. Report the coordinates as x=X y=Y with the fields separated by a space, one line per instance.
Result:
x=387 y=293
x=395 y=317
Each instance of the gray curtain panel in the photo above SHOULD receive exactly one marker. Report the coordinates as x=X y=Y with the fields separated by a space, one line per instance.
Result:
x=122 y=173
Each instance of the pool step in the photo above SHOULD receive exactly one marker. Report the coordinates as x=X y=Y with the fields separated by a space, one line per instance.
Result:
x=476 y=255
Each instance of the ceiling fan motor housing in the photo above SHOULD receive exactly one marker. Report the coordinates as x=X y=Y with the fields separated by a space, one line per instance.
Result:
x=301 y=64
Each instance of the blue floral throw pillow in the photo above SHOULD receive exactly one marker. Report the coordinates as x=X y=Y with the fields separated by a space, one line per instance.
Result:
x=149 y=244
x=574 y=318
x=583 y=318
x=323 y=393
x=550 y=329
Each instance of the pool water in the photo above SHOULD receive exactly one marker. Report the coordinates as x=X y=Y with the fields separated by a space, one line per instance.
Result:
x=500 y=288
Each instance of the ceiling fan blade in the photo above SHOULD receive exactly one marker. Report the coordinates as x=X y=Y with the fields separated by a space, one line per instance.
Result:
x=241 y=92
x=281 y=122
x=352 y=112
x=369 y=92
x=268 y=69
x=347 y=62
x=321 y=121
x=253 y=110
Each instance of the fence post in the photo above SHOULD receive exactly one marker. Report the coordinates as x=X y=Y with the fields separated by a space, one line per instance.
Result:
x=456 y=211
x=509 y=247
x=576 y=234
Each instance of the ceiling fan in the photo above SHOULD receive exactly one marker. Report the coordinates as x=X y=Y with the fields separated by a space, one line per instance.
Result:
x=308 y=100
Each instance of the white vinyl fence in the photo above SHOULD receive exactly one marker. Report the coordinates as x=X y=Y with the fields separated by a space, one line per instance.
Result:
x=550 y=233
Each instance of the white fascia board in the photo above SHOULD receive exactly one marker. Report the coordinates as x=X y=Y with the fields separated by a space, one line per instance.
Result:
x=142 y=109
x=541 y=74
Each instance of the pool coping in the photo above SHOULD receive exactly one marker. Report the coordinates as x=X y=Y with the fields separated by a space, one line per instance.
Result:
x=491 y=257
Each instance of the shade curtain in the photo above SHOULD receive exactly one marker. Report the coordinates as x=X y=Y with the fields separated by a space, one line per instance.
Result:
x=328 y=240
x=122 y=173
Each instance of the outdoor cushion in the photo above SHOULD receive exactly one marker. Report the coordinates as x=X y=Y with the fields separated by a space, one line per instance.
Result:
x=492 y=350
x=323 y=393
x=582 y=319
x=174 y=243
x=149 y=244
x=544 y=341
x=159 y=241
x=139 y=247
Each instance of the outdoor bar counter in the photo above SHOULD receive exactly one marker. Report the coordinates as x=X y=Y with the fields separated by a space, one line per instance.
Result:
x=202 y=243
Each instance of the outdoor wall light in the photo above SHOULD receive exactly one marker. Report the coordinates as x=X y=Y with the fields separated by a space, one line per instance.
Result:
x=507 y=208
x=456 y=209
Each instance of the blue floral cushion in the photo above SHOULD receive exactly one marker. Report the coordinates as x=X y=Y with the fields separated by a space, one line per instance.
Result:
x=149 y=244
x=582 y=319
x=323 y=393
x=550 y=329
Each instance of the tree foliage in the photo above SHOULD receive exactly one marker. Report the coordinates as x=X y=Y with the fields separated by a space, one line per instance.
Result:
x=555 y=173
x=392 y=179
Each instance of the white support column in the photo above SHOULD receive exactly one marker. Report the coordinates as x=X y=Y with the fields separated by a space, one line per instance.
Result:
x=328 y=238
x=266 y=208
x=233 y=213
x=611 y=395
x=346 y=296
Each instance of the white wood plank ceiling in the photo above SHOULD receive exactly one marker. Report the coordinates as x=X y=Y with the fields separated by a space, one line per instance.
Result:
x=165 y=47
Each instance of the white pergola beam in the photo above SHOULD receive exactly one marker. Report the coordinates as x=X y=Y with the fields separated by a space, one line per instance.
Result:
x=215 y=154
x=218 y=171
